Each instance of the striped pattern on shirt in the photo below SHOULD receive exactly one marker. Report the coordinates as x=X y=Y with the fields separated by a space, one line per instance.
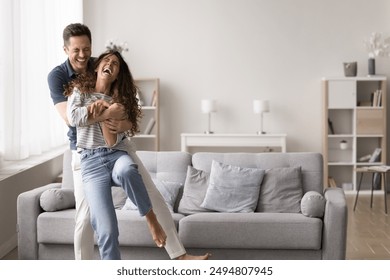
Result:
x=89 y=136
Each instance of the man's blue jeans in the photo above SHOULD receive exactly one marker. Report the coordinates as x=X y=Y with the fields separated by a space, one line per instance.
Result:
x=100 y=169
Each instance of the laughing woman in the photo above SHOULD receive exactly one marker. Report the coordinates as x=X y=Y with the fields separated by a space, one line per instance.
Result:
x=107 y=158
x=104 y=159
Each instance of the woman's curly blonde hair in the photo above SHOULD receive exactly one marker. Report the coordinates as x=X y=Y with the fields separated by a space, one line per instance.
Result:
x=123 y=89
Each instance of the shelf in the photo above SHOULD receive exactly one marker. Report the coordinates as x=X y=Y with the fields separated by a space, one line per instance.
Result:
x=369 y=107
x=149 y=108
x=149 y=137
x=334 y=163
x=349 y=115
x=356 y=79
x=365 y=163
x=340 y=135
x=145 y=136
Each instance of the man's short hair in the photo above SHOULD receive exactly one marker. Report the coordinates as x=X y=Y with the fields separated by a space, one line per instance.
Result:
x=76 y=29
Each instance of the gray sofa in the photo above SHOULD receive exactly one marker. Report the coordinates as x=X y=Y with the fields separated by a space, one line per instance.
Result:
x=262 y=234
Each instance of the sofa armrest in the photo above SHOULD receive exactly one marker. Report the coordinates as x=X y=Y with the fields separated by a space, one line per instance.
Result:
x=334 y=240
x=28 y=210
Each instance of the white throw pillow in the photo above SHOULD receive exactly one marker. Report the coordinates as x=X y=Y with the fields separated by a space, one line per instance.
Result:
x=233 y=188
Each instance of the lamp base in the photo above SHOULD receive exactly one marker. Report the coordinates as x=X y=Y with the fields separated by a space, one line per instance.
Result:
x=208 y=132
x=261 y=132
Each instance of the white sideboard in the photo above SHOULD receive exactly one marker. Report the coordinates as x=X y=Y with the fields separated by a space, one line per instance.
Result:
x=189 y=140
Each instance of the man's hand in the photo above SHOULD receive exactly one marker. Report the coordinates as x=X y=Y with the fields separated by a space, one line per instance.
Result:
x=117 y=126
x=117 y=111
x=101 y=110
x=98 y=107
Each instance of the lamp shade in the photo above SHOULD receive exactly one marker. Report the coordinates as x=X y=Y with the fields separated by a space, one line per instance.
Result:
x=208 y=106
x=260 y=106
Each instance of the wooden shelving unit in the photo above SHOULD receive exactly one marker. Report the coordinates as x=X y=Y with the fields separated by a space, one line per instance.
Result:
x=149 y=137
x=354 y=111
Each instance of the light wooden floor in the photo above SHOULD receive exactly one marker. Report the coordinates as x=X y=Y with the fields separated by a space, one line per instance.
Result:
x=368 y=236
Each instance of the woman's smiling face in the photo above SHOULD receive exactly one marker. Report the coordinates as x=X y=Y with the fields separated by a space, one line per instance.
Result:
x=108 y=68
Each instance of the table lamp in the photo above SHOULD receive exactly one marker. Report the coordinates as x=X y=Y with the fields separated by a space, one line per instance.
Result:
x=209 y=106
x=260 y=107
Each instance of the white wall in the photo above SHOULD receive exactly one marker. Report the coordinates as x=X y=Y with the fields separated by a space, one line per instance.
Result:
x=239 y=50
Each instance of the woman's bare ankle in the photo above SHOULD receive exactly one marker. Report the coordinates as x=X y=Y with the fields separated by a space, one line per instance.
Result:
x=157 y=232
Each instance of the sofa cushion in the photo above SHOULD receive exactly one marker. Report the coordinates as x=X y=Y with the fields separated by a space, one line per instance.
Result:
x=313 y=204
x=57 y=199
x=194 y=191
x=276 y=231
x=58 y=228
x=169 y=191
x=281 y=191
x=233 y=188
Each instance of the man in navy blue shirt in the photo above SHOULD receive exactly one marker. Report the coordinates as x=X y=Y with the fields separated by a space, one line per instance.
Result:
x=77 y=46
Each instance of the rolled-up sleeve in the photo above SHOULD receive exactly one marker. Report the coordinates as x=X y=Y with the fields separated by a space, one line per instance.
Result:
x=76 y=110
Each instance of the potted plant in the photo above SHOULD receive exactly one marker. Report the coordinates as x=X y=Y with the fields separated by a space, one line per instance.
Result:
x=376 y=46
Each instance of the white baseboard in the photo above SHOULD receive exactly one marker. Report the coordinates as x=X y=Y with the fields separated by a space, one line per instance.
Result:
x=8 y=246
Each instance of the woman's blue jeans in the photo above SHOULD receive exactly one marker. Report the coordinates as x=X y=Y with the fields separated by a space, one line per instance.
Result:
x=101 y=169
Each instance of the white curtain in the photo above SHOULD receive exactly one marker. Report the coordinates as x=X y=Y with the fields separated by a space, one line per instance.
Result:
x=30 y=46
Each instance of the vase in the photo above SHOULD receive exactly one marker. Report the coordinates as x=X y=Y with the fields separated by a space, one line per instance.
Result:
x=350 y=69
x=343 y=145
x=371 y=66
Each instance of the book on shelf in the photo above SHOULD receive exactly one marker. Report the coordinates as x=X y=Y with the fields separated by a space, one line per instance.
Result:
x=375 y=155
x=364 y=158
x=376 y=98
x=330 y=126
x=332 y=182
x=154 y=99
x=150 y=126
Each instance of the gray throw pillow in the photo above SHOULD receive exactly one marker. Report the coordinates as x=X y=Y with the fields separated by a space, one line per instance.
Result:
x=281 y=191
x=57 y=199
x=233 y=188
x=168 y=190
x=313 y=204
x=194 y=191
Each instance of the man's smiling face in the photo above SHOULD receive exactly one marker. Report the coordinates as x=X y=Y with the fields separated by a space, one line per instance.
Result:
x=78 y=50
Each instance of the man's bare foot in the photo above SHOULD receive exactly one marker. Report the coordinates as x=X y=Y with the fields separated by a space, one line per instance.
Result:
x=192 y=257
x=157 y=232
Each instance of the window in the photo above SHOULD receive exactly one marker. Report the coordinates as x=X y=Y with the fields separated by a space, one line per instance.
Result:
x=30 y=47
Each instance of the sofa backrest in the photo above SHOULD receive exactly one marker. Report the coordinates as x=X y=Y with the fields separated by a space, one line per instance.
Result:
x=166 y=166
x=172 y=166
x=311 y=164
